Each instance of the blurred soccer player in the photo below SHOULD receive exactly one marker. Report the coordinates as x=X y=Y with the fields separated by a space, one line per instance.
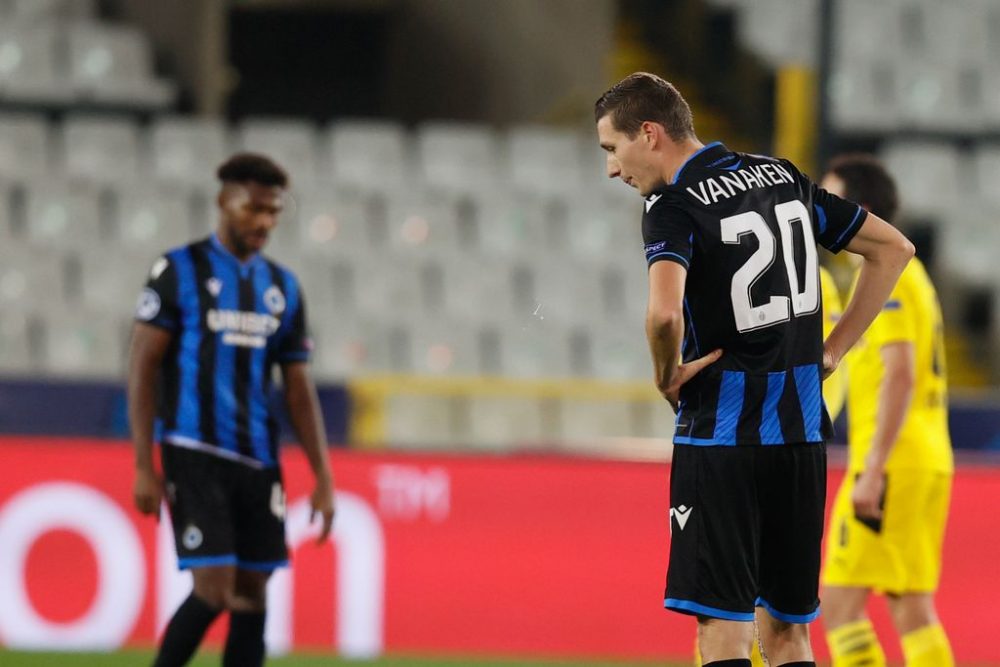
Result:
x=731 y=247
x=888 y=521
x=213 y=319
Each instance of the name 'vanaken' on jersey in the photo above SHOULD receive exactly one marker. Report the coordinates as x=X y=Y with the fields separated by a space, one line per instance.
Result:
x=232 y=321
x=746 y=228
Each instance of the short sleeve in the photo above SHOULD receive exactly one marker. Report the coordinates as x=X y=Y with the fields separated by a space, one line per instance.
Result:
x=895 y=322
x=668 y=234
x=157 y=303
x=294 y=344
x=837 y=220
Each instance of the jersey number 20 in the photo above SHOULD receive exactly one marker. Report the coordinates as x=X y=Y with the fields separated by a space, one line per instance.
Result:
x=777 y=308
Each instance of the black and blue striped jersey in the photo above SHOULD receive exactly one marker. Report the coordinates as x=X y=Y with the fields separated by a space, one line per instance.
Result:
x=232 y=321
x=746 y=228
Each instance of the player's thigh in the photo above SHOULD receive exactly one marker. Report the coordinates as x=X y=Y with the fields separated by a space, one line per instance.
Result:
x=260 y=520
x=916 y=512
x=198 y=490
x=792 y=487
x=215 y=584
x=714 y=536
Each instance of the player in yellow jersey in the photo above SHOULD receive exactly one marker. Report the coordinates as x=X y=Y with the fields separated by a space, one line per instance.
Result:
x=887 y=527
x=834 y=389
x=833 y=395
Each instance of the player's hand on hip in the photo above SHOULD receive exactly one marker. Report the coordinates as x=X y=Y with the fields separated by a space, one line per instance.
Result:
x=147 y=491
x=323 y=505
x=867 y=494
x=830 y=363
x=685 y=372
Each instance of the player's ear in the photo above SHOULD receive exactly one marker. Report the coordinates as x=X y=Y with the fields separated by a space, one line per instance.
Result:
x=650 y=133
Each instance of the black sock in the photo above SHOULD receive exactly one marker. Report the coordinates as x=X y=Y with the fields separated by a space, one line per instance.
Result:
x=184 y=632
x=245 y=643
x=801 y=663
x=734 y=662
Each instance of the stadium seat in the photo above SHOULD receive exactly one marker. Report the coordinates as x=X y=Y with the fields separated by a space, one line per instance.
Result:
x=290 y=142
x=85 y=343
x=112 y=64
x=187 y=150
x=863 y=92
x=930 y=175
x=24 y=147
x=619 y=351
x=63 y=215
x=544 y=160
x=445 y=346
x=335 y=220
x=18 y=342
x=47 y=10
x=151 y=221
x=111 y=287
x=426 y=222
x=101 y=149
x=506 y=225
x=29 y=65
x=783 y=33
x=458 y=157
x=31 y=277
x=567 y=293
x=351 y=346
x=533 y=348
x=368 y=155
x=986 y=162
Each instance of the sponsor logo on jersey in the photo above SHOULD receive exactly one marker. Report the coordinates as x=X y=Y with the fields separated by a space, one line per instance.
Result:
x=242 y=328
x=682 y=514
x=148 y=305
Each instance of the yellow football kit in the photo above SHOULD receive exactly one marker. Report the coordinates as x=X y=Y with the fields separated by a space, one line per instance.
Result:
x=901 y=553
x=834 y=390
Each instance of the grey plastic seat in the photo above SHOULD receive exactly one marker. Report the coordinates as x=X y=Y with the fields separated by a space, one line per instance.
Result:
x=101 y=149
x=112 y=64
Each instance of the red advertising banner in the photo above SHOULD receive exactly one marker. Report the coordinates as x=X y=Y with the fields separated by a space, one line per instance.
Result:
x=432 y=554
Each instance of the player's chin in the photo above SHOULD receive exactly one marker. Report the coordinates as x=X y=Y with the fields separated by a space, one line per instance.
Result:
x=256 y=241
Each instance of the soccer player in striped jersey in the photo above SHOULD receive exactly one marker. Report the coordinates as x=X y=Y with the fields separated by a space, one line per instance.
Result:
x=888 y=521
x=734 y=295
x=214 y=319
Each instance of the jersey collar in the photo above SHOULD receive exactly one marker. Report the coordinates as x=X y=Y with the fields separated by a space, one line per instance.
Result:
x=701 y=155
x=249 y=263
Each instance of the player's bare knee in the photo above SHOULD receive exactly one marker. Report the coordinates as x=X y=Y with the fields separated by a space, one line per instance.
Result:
x=215 y=585
x=250 y=591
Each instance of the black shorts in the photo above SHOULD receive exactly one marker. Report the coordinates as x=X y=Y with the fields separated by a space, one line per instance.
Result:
x=224 y=512
x=746 y=525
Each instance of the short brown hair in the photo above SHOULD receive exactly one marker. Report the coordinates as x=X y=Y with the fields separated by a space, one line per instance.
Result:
x=252 y=167
x=867 y=182
x=642 y=97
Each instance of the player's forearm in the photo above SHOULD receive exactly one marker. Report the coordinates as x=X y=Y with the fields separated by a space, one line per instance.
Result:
x=664 y=333
x=894 y=402
x=141 y=414
x=307 y=420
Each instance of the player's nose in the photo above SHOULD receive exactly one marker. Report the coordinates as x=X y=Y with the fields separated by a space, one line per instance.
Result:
x=613 y=168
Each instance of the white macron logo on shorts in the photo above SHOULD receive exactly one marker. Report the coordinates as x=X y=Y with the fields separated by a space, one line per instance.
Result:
x=682 y=514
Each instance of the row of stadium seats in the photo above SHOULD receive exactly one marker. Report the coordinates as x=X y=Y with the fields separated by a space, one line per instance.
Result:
x=366 y=155
x=90 y=342
x=898 y=64
x=323 y=222
x=70 y=63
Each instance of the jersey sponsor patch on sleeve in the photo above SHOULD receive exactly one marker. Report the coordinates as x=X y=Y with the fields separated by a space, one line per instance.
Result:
x=147 y=306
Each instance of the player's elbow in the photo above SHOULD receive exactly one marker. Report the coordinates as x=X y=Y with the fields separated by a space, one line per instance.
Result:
x=660 y=321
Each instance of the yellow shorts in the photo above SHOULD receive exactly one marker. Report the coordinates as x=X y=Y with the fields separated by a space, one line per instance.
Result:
x=905 y=555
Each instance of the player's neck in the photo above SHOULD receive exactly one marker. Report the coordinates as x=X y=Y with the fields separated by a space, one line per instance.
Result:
x=679 y=155
x=227 y=243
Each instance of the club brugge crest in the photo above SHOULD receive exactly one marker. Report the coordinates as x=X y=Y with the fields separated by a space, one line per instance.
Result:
x=214 y=286
x=274 y=300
